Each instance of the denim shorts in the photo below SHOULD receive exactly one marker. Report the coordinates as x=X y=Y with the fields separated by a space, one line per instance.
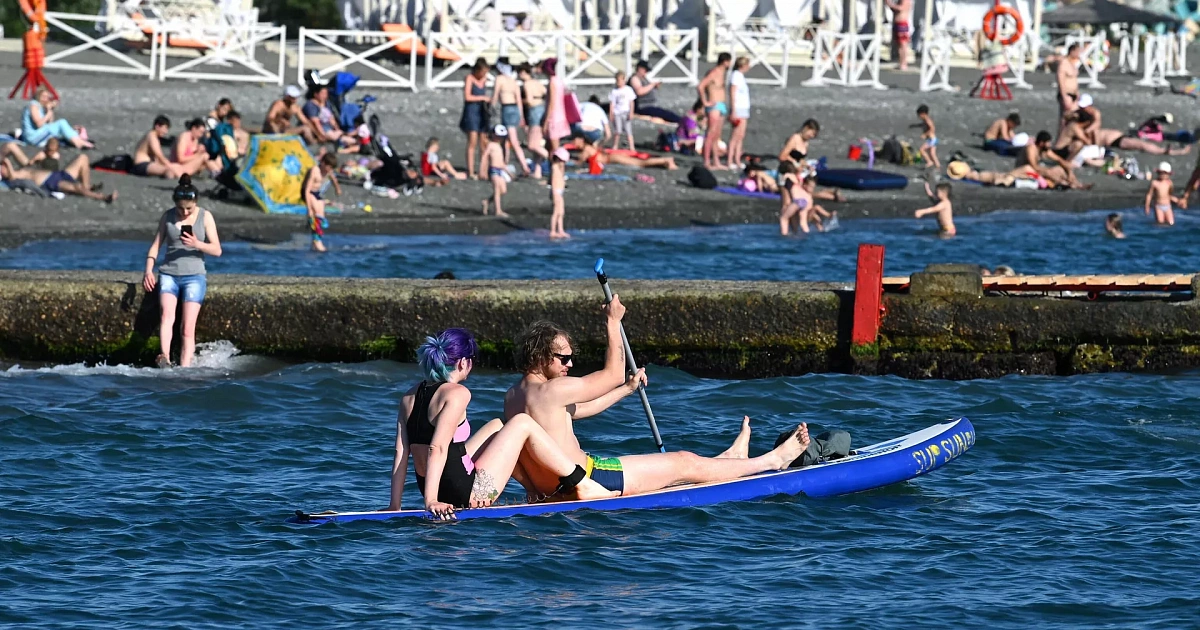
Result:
x=193 y=287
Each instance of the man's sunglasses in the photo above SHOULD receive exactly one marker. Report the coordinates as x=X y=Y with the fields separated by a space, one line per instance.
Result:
x=564 y=358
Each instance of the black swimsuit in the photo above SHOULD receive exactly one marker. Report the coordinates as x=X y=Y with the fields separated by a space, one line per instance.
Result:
x=455 y=487
x=797 y=156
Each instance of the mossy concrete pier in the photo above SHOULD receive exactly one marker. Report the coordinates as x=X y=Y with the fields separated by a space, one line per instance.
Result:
x=944 y=328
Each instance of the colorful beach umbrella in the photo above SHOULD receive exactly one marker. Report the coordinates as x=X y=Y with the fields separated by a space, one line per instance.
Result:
x=273 y=172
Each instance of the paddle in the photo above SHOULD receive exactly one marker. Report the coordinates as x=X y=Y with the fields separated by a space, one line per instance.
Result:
x=630 y=364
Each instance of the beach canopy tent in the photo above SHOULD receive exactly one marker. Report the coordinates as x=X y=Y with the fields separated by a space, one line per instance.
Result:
x=1104 y=12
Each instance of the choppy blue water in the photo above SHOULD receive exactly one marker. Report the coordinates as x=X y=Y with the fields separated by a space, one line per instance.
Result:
x=141 y=497
x=1031 y=242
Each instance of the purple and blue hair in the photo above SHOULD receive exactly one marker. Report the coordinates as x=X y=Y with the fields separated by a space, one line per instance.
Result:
x=438 y=355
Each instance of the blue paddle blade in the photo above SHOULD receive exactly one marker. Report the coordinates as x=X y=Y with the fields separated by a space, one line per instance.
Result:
x=599 y=266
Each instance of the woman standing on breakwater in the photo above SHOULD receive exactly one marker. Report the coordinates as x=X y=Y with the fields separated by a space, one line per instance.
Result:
x=189 y=232
x=456 y=469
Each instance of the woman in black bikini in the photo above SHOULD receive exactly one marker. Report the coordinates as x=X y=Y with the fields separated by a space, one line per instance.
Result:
x=795 y=150
x=454 y=468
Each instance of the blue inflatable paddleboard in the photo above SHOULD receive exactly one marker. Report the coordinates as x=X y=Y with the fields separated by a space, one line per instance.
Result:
x=860 y=179
x=871 y=467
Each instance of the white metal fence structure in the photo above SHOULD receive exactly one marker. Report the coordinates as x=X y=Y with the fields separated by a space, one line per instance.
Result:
x=672 y=45
x=1129 y=52
x=465 y=48
x=1165 y=56
x=99 y=46
x=225 y=53
x=853 y=59
x=1091 y=48
x=587 y=55
x=768 y=49
x=935 y=61
x=316 y=45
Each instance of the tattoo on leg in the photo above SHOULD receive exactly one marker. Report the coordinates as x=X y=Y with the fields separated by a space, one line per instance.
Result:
x=484 y=488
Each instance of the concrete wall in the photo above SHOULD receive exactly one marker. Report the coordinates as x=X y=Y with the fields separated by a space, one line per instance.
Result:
x=735 y=329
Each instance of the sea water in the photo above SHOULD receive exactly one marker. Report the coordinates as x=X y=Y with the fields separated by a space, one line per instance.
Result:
x=158 y=498
x=1030 y=242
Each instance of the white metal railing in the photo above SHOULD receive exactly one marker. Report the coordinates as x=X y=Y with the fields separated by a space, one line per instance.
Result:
x=460 y=50
x=1165 y=56
x=768 y=49
x=680 y=49
x=935 y=62
x=109 y=60
x=231 y=49
x=852 y=58
x=587 y=55
x=326 y=42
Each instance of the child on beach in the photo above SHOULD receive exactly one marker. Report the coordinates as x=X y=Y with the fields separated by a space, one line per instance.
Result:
x=929 y=135
x=1112 y=225
x=796 y=193
x=1160 y=196
x=558 y=185
x=493 y=164
x=943 y=208
x=437 y=171
x=620 y=112
x=316 y=182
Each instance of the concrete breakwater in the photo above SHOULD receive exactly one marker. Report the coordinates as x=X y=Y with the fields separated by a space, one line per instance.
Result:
x=943 y=328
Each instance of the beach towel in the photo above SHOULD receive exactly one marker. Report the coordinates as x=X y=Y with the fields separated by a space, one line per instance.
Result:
x=733 y=190
x=604 y=177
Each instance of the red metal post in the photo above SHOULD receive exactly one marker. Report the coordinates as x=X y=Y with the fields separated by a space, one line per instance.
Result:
x=868 y=295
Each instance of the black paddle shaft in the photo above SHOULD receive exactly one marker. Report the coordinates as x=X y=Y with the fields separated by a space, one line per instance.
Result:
x=630 y=363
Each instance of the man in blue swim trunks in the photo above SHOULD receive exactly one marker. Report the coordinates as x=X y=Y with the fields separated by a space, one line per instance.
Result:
x=712 y=94
x=75 y=179
x=555 y=400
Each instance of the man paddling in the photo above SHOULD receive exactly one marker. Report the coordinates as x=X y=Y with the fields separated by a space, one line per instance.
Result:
x=555 y=400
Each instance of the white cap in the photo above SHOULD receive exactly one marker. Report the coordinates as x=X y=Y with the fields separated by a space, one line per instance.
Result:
x=1020 y=139
x=292 y=91
x=1164 y=167
x=500 y=131
x=1169 y=117
x=1085 y=100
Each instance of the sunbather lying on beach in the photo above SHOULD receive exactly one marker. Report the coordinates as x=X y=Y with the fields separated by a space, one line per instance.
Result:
x=1119 y=140
x=594 y=156
x=963 y=171
x=75 y=179
x=46 y=159
x=556 y=401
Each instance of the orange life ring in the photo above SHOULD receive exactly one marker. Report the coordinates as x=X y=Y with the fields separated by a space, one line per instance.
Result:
x=991 y=22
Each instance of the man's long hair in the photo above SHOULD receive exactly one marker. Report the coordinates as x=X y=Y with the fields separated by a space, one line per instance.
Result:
x=535 y=346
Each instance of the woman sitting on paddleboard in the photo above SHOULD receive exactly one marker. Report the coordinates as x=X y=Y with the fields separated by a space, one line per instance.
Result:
x=454 y=468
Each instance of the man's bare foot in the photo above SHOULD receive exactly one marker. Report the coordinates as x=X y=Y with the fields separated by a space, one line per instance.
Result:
x=162 y=361
x=792 y=448
x=588 y=490
x=501 y=214
x=741 y=444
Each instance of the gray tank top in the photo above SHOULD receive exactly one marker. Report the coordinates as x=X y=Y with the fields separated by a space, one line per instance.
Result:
x=183 y=261
x=649 y=98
